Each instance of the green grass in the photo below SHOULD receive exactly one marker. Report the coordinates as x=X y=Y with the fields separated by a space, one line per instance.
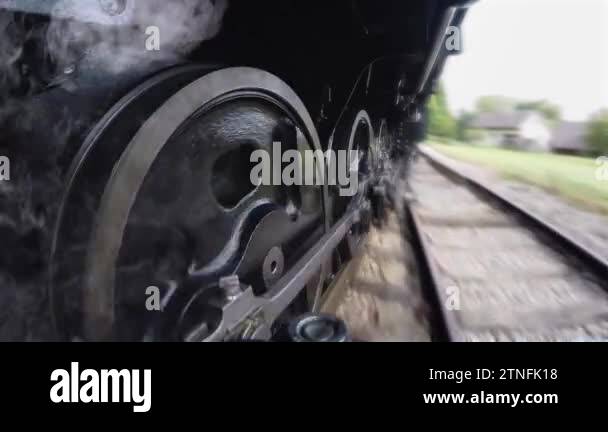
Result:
x=572 y=177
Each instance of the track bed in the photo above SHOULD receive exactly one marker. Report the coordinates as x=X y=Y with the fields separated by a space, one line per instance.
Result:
x=498 y=276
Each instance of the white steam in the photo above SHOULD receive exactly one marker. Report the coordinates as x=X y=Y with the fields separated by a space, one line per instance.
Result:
x=117 y=42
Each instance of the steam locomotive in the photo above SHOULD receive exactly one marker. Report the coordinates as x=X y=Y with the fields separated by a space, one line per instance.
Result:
x=129 y=125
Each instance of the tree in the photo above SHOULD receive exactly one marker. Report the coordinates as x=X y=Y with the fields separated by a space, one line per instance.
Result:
x=597 y=133
x=487 y=104
x=441 y=121
x=550 y=111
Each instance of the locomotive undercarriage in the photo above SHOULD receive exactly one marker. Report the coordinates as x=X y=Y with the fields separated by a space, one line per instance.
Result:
x=138 y=175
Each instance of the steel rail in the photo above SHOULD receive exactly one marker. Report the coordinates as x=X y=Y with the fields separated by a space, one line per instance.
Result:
x=588 y=257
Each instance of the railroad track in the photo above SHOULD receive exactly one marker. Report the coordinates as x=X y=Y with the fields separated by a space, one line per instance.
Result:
x=500 y=272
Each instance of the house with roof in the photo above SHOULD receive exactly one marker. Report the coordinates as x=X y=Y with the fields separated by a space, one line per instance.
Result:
x=569 y=138
x=524 y=130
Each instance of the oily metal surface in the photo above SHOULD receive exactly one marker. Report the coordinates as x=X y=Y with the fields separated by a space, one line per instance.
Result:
x=504 y=281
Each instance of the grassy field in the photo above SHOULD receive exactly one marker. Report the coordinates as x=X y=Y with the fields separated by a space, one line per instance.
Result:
x=570 y=176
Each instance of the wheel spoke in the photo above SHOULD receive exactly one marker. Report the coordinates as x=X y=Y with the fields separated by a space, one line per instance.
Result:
x=178 y=208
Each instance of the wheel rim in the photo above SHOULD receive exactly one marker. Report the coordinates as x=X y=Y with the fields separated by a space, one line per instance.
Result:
x=85 y=182
x=168 y=143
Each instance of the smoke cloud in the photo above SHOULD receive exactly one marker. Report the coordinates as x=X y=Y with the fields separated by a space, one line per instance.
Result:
x=117 y=42
x=100 y=37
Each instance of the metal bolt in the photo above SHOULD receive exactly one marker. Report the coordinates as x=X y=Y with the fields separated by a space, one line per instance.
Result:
x=273 y=266
x=231 y=285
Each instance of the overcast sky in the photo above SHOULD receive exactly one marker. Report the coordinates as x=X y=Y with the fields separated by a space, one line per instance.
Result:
x=533 y=49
